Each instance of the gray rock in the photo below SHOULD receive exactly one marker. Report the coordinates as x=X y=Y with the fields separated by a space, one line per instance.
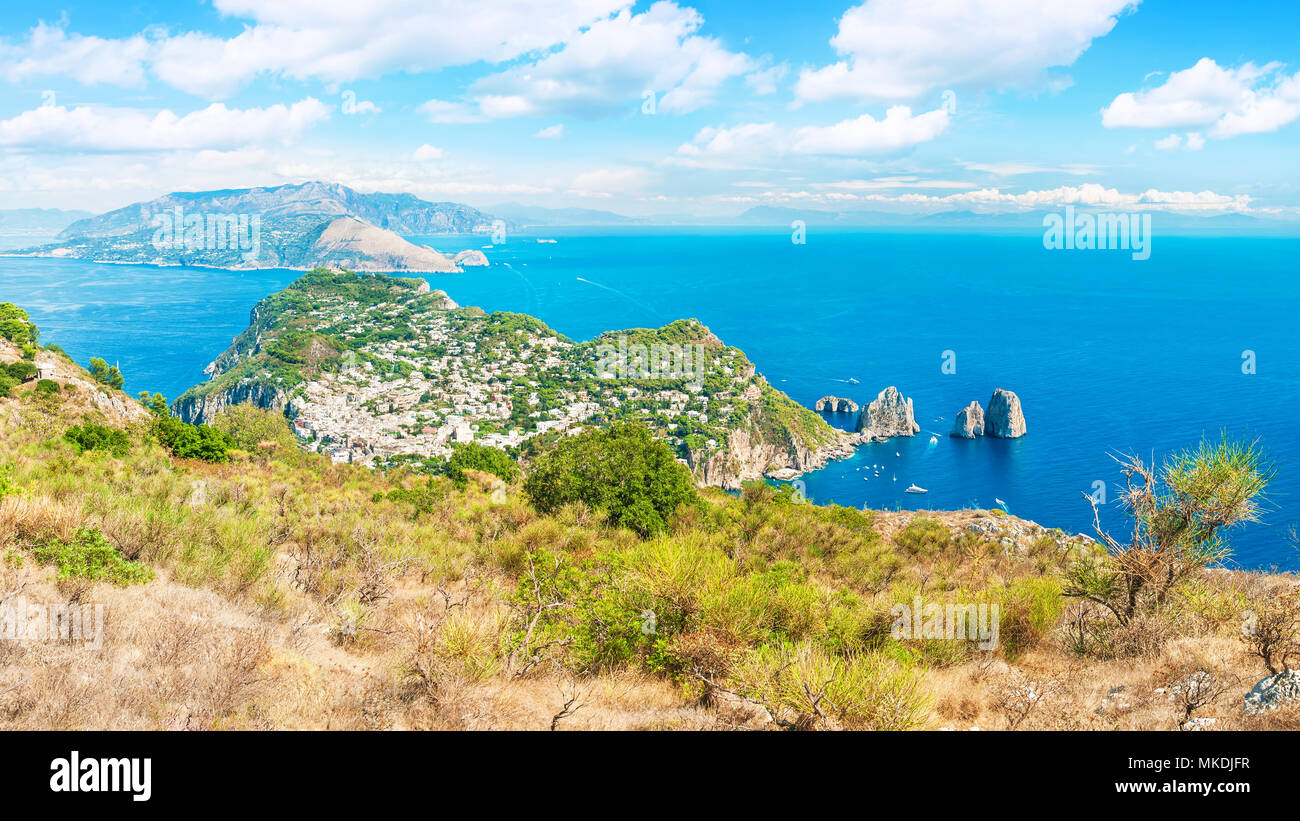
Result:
x=836 y=404
x=1004 y=419
x=889 y=414
x=1271 y=692
x=969 y=423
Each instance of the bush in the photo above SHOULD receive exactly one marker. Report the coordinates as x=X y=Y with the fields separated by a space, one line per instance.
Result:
x=47 y=387
x=473 y=456
x=249 y=428
x=106 y=374
x=20 y=371
x=91 y=436
x=16 y=326
x=88 y=555
x=191 y=441
x=623 y=471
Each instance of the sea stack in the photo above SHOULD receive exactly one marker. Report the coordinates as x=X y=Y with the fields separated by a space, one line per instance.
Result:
x=970 y=422
x=889 y=414
x=836 y=404
x=1005 y=420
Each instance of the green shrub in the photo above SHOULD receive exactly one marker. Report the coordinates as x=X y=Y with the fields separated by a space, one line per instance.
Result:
x=48 y=387
x=473 y=456
x=91 y=436
x=191 y=441
x=16 y=326
x=7 y=486
x=106 y=374
x=89 y=556
x=249 y=428
x=7 y=384
x=20 y=371
x=923 y=537
x=623 y=471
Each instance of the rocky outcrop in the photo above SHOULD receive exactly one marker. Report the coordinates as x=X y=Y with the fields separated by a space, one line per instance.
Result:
x=886 y=416
x=200 y=409
x=1272 y=692
x=747 y=458
x=350 y=243
x=969 y=423
x=836 y=404
x=470 y=258
x=1004 y=420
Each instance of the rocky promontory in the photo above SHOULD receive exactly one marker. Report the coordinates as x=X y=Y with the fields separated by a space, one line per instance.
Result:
x=969 y=422
x=835 y=404
x=470 y=259
x=886 y=416
x=1005 y=419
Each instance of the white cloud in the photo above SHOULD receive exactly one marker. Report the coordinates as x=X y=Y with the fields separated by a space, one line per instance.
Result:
x=427 y=153
x=1195 y=141
x=551 y=132
x=897 y=132
x=606 y=182
x=332 y=41
x=1170 y=143
x=1228 y=102
x=96 y=128
x=862 y=136
x=51 y=51
x=1012 y=169
x=608 y=67
x=444 y=112
x=901 y=49
x=1089 y=195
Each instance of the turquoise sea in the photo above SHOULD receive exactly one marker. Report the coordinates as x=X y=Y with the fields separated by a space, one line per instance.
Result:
x=1106 y=353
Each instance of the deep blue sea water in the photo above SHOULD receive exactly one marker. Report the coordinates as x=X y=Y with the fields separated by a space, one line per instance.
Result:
x=1106 y=353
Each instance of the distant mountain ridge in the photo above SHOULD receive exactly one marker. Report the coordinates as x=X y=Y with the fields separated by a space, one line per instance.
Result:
x=39 y=222
x=403 y=213
x=287 y=226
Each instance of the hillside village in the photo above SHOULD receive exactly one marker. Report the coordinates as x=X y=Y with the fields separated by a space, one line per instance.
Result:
x=377 y=369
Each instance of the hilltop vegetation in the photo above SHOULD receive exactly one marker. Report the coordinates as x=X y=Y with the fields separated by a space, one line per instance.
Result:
x=381 y=370
x=276 y=588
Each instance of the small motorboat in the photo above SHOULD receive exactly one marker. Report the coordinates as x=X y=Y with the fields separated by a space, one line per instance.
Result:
x=934 y=440
x=915 y=489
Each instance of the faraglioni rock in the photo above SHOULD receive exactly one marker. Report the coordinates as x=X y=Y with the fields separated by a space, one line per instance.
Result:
x=1004 y=419
x=889 y=414
x=836 y=404
x=969 y=423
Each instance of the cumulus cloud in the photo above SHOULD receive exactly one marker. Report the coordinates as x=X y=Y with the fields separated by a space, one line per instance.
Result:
x=863 y=136
x=1227 y=102
x=897 y=132
x=1088 y=195
x=900 y=49
x=427 y=153
x=104 y=128
x=332 y=41
x=611 y=65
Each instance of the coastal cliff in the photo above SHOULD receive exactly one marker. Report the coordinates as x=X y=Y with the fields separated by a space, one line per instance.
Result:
x=372 y=369
x=1005 y=419
x=886 y=416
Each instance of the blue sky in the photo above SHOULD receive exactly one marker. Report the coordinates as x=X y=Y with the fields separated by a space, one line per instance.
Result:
x=992 y=105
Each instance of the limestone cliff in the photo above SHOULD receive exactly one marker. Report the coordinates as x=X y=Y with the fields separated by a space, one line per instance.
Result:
x=748 y=457
x=1005 y=420
x=969 y=422
x=888 y=415
x=835 y=404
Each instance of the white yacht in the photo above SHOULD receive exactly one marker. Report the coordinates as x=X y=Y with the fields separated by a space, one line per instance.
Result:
x=915 y=489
